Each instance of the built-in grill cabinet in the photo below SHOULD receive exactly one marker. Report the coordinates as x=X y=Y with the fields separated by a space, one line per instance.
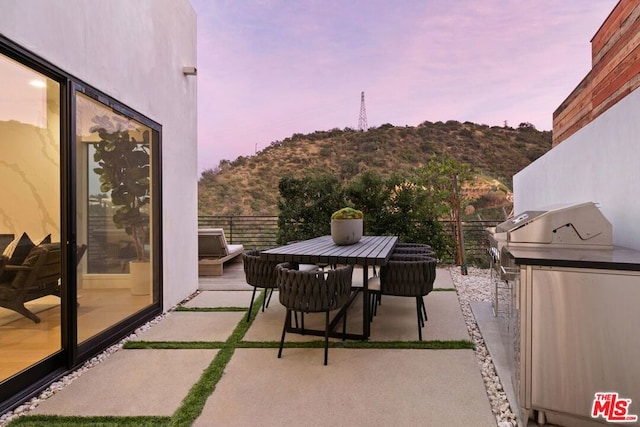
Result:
x=575 y=313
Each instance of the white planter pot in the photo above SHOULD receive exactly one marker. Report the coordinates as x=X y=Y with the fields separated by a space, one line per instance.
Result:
x=140 y=276
x=346 y=231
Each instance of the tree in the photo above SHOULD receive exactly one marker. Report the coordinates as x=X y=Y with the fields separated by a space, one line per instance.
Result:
x=444 y=177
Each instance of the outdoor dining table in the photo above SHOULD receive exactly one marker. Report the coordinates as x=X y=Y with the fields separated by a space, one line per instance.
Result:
x=369 y=251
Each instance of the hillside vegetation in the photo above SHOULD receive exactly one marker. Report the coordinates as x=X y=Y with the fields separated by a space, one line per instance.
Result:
x=249 y=185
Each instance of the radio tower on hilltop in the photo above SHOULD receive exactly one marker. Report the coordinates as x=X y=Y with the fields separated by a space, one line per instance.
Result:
x=362 y=121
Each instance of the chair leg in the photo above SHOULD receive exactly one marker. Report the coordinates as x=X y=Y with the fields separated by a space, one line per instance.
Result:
x=253 y=295
x=419 y=313
x=270 y=292
x=344 y=325
x=424 y=309
x=19 y=307
x=326 y=338
x=372 y=302
x=287 y=320
x=302 y=321
x=376 y=299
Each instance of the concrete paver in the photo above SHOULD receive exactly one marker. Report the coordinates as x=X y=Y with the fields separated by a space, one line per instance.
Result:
x=358 y=387
x=193 y=326
x=208 y=299
x=130 y=383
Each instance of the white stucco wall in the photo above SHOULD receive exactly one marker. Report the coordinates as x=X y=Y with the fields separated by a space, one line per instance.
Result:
x=134 y=51
x=599 y=163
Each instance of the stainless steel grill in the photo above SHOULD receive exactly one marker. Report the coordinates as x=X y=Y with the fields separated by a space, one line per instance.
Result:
x=581 y=225
x=568 y=266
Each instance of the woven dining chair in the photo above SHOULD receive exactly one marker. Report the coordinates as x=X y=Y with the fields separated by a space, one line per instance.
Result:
x=313 y=292
x=406 y=276
x=259 y=273
x=411 y=248
x=406 y=253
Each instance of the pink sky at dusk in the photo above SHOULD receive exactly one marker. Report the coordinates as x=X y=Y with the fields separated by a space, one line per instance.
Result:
x=271 y=68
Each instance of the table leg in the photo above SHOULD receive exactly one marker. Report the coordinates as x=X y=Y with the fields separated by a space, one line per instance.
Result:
x=365 y=302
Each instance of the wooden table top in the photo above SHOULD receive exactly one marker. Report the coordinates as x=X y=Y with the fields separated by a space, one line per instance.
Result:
x=370 y=250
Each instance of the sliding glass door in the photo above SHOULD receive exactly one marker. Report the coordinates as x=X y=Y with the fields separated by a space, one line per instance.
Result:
x=30 y=232
x=79 y=222
x=114 y=216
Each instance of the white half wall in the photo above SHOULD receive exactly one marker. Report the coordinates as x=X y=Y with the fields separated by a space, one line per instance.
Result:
x=133 y=51
x=599 y=163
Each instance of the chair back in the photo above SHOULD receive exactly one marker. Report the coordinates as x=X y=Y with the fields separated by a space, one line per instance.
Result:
x=258 y=272
x=414 y=245
x=411 y=275
x=414 y=250
x=315 y=290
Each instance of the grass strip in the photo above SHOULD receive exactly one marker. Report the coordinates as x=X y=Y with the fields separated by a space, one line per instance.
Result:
x=173 y=345
x=60 y=421
x=193 y=404
x=428 y=345
x=195 y=400
x=444 y=290
x=210 y=309
x=204 y=345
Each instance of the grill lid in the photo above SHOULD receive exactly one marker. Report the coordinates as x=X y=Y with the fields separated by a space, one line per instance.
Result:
x=581 y=224
x=518 y=221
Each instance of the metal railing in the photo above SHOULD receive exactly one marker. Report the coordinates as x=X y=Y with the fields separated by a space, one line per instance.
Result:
x=255 y=232
x=260 y=232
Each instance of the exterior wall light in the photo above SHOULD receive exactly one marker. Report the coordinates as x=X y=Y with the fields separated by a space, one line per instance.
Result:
x=189 y=71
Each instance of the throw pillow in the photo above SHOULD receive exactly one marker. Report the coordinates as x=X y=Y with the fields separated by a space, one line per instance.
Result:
x=45 y=239
x=15 y=253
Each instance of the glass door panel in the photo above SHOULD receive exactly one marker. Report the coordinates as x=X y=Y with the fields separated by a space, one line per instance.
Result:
x=113 y=193
x=31 y=263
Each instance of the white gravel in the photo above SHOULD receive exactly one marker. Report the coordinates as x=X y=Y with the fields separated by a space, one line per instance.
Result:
x=475 y=286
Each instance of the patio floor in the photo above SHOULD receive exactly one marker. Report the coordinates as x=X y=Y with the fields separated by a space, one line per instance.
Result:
x=390 y=380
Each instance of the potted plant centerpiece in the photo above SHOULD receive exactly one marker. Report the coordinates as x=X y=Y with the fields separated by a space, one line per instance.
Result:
x=123 y=168
x=346 y=226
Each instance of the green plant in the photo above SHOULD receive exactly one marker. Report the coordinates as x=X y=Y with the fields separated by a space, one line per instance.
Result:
x=124 y=171
x=347 y=213
x=305 y=204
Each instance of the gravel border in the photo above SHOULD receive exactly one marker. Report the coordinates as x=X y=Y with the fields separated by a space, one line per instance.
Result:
x=475 y=286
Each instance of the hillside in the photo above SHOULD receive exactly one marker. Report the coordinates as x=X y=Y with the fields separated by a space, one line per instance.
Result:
x=249 y=185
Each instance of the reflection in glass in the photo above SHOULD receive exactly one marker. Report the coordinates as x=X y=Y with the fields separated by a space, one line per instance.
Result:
x=29 y=218
x=113 y=154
